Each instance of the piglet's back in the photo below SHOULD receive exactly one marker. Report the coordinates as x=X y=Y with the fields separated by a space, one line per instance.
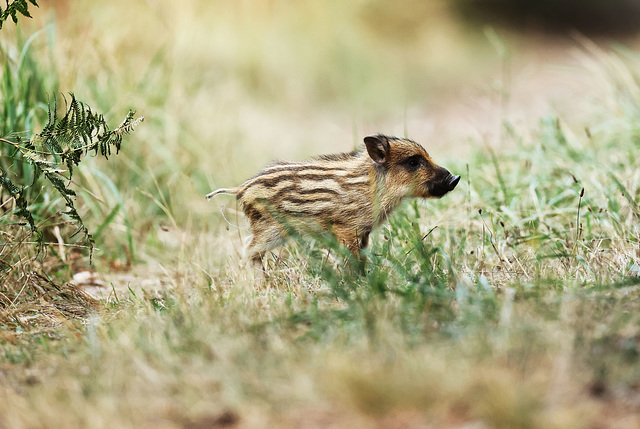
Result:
x=327 y=189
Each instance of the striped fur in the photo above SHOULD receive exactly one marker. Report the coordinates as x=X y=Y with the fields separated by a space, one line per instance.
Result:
x=348 y=194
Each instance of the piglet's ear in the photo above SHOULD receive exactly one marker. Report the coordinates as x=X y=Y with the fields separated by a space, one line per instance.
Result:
x=378 y=148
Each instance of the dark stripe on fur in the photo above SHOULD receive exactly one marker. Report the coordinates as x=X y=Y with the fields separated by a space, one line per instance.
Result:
x=308 y=167
x=321 y=214
x=273 y=181
x=252 y=213
x=296 y=190
x=306 y=202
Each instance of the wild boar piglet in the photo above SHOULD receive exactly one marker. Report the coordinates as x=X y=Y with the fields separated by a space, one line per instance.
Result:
x=347 y=194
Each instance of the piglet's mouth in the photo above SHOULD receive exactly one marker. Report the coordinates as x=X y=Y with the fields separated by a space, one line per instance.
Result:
x=440 y=188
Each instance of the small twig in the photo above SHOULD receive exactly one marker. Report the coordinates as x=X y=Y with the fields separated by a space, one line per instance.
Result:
x=578 y=226
x=491 y=236
x=22 y=148
x=61 y=243
x=421 y=240
x=10 y=142
x=79 y=246
x=222 y=209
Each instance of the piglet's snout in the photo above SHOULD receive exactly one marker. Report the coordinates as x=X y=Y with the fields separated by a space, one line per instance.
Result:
x=444 y=185
x=453 y=181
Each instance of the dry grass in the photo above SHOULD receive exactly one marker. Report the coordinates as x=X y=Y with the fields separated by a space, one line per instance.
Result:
x=518 y=311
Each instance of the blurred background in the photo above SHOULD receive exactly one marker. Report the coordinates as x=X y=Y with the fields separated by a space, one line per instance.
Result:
x=228 y=86
x=509 y=303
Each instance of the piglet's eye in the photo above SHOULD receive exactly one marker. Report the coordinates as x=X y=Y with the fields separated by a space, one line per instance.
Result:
x=412 y=163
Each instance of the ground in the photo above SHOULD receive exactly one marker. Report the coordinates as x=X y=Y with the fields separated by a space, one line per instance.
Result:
x=510 y=303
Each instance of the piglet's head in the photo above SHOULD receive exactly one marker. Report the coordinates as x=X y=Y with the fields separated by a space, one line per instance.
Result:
x=408 y=169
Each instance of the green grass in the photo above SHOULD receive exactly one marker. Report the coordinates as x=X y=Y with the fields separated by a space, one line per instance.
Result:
x=510 y=303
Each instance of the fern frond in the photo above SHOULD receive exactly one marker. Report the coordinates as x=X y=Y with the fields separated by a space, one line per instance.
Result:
x=15 y=7
x=17 y=193
x=129 y=124
x=64 y=141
